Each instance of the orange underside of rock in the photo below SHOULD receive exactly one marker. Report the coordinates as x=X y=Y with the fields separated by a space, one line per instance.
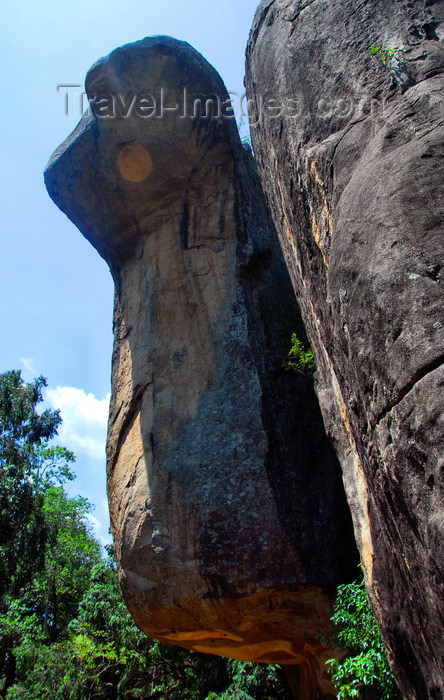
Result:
x=277 y=626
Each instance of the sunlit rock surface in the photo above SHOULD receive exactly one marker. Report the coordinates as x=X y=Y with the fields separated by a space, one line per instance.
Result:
x=227 y=506
x=351 y=157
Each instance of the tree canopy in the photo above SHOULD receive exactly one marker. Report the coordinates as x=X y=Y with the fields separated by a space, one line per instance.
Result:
x=29 y=465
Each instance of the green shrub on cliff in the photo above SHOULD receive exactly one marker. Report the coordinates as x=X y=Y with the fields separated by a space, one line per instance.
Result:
x=385 y=53
x=300 y=359
x=364 y=671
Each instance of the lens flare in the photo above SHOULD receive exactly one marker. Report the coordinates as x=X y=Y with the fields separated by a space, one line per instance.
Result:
x=134 y=162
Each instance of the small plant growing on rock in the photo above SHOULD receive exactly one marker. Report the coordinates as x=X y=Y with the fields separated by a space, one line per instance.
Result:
x=244 y=135
x=384 y=53
x=363 y=672
x=300 y=359
x=391 y=58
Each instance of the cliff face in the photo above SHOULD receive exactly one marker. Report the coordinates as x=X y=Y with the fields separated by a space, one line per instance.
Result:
x=227 y=506
x=350 y=154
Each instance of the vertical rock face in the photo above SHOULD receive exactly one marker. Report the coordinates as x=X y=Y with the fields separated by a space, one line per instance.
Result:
x=350 y=153
x=226 y=500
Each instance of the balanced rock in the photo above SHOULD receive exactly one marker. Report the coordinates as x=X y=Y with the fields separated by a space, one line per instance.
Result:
x=346 y=100
x=227 y=506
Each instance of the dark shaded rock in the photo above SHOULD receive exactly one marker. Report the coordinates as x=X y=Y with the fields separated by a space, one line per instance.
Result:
x=352 y=167
x=227 y=507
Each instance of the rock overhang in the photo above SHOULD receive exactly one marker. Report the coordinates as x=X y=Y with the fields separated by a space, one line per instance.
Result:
x=226 y=501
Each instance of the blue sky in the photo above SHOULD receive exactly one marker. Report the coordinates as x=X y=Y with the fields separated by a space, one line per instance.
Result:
x=56 y=292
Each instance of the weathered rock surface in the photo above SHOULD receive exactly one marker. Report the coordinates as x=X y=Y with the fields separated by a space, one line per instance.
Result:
x=227 y=506
x=352 y=167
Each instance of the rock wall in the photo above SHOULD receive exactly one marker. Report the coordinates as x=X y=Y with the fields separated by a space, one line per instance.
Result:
x=350 y=152
x=227 y=506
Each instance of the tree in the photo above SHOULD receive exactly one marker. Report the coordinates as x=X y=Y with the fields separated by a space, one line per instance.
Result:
x=363 y=672
x=71 y=553
x=34 y=624
x=28 y=466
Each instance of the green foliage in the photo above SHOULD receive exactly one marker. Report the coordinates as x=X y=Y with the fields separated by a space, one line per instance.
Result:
x=364 y=670
x=94 y=654
x=251 y=681
x=384 y=53
x=40 y=613
x=245 y=137
x=301 y=359
x=102 y=654
x=71 y=553
x=28 y=466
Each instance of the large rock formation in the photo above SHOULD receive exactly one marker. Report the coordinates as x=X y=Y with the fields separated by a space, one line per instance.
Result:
x=227 y=506
x=350 y=153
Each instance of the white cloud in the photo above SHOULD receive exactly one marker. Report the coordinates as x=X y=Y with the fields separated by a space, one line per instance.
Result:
x=29 y=365
x=97 y=525
x=84 y=420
